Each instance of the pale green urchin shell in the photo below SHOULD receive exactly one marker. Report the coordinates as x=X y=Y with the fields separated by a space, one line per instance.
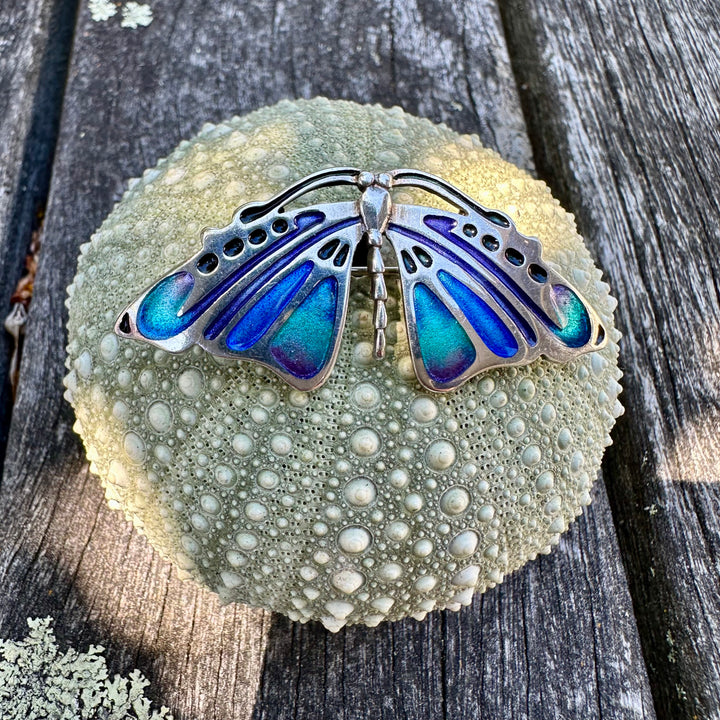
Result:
x=369 y=499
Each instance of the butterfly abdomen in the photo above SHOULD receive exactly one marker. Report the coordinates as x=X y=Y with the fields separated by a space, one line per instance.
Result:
x=375 y=208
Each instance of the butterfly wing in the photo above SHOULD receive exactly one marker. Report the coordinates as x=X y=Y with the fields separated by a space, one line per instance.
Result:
x=270 y=287
x=477 y=295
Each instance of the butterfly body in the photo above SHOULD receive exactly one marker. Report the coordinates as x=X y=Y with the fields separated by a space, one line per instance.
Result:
x=272 y=286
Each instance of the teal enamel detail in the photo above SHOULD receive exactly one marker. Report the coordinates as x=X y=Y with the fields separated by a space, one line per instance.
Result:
x=577 y=328
x=445 y=347
x=257 y=321
x=158 y=317
x=303 y=345
x=485 y=321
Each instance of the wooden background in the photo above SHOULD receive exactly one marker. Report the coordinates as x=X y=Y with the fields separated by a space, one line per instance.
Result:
x=615 y=103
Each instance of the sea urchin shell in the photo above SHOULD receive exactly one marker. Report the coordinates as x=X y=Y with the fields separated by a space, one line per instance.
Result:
x=369 y=499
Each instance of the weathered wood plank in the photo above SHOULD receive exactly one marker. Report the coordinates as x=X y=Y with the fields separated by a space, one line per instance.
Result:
x=35 y=38
x=556 y=640
x=623 y=102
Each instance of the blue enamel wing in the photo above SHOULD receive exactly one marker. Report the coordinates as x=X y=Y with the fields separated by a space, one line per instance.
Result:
x=272 y=286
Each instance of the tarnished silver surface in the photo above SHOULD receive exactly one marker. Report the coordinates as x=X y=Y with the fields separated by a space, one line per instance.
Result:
x=277 y=240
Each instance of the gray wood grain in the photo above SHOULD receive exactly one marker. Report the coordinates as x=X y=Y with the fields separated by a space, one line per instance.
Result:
x=623 y=101
x=34 y=41
x=556 y=640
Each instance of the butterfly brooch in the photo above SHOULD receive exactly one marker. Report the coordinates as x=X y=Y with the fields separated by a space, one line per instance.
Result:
x=273 y=285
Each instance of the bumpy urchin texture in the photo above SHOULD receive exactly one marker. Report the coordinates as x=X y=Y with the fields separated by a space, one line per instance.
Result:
x=369 y=499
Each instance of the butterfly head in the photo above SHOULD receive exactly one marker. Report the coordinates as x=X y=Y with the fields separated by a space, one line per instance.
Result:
x=367 y=179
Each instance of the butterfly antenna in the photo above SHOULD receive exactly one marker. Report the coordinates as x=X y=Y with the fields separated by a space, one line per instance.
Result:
x=375 y=205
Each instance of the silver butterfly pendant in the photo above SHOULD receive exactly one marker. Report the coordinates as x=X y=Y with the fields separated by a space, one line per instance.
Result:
x=273 y=285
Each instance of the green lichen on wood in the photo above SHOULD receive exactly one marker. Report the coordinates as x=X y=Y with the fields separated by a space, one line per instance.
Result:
x=39 y=681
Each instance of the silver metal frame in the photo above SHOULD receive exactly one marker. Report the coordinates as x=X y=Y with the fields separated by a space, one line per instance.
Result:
x=373 y=218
